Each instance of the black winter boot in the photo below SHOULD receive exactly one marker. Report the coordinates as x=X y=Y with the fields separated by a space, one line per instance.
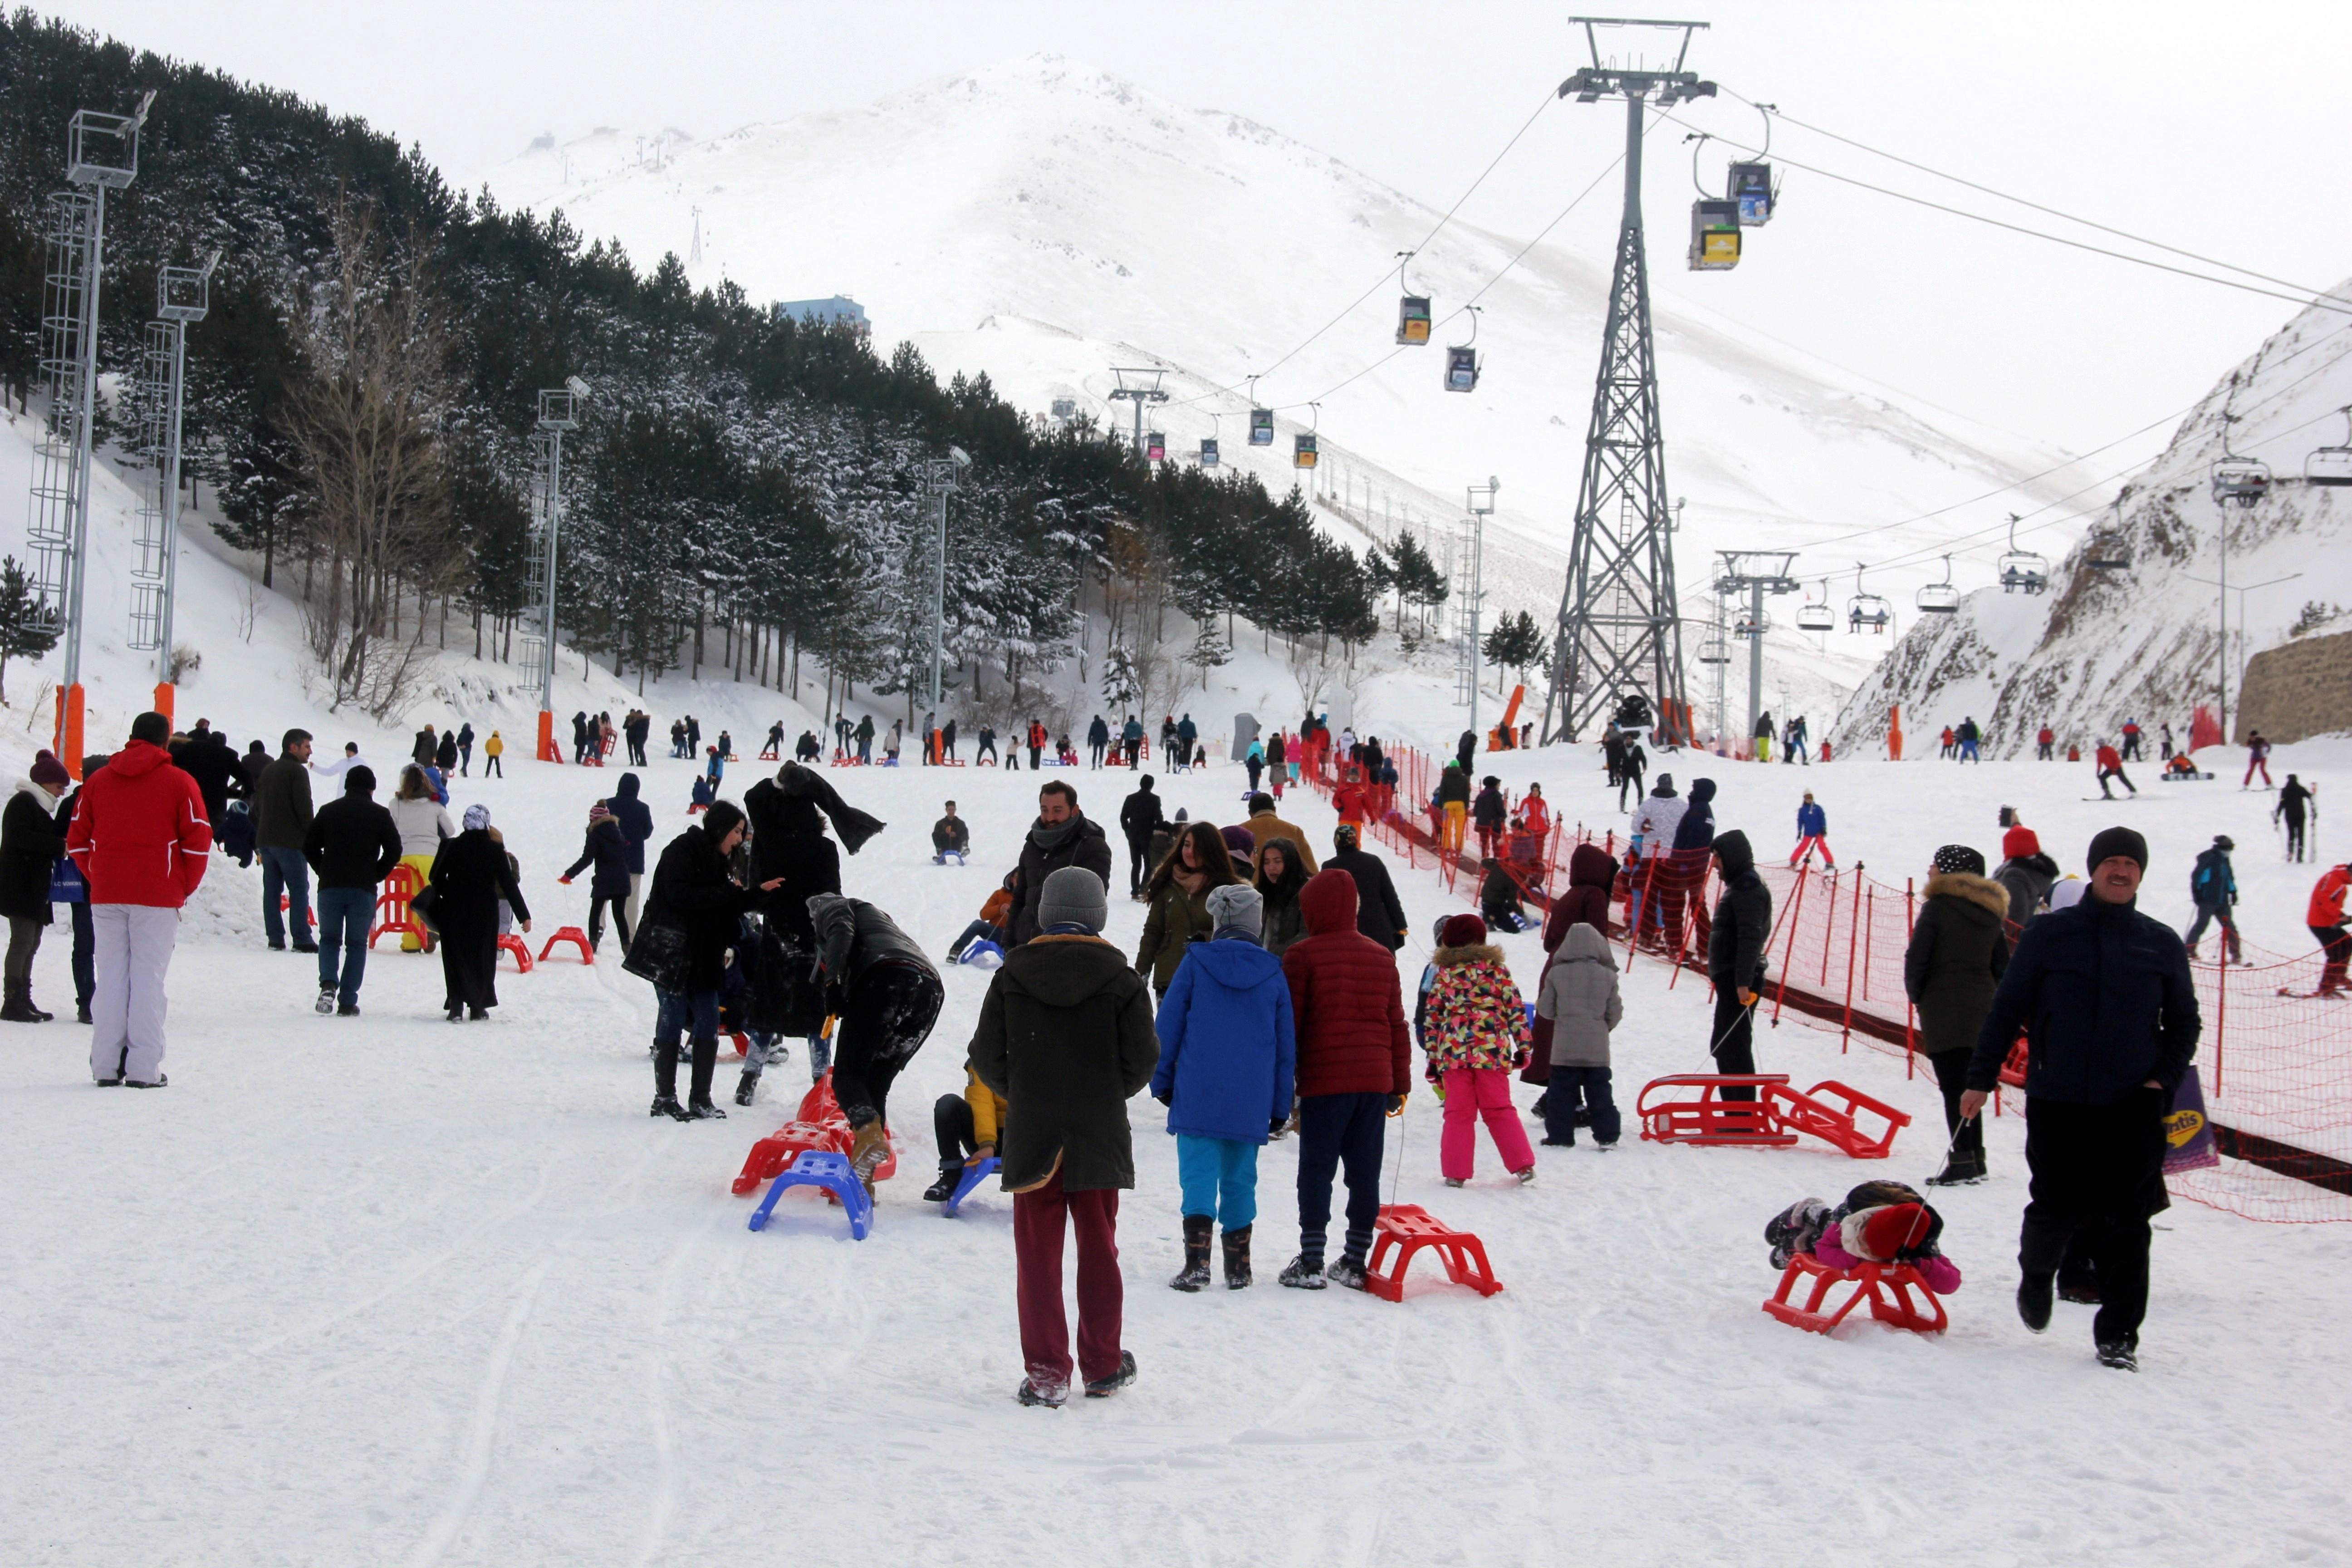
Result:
x=666 y=1082
x=18 y=1007
x=1237 y=1267
x=2033 y=1300
x=744 y=1086
x=1195 y=1274
x=941 y=1191
x=698 y=1102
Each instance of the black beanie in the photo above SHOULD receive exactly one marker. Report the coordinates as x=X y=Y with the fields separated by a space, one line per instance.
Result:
x=1959 y=858
x=2114 y=841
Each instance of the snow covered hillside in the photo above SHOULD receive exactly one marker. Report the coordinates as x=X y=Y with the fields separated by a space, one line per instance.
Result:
x=2106 y=645
x=1043 y=222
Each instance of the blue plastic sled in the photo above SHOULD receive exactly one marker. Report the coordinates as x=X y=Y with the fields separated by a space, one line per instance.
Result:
x=817 y=1168
x=944 y=855
x=972 y=1176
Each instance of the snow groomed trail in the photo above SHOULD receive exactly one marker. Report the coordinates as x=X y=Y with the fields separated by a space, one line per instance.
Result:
x=393 y=1290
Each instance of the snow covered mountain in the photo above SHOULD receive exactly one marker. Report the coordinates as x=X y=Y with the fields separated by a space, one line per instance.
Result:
x=2104 y=645
x=1043 y=222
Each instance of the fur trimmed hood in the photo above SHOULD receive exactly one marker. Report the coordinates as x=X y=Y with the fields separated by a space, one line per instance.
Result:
x=1476 y=953
x=1981 y=891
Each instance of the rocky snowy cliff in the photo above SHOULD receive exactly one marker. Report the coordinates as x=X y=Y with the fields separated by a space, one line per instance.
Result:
x=2145 y=642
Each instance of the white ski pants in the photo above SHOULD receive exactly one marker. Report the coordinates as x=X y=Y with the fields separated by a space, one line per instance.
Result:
x=132 y=954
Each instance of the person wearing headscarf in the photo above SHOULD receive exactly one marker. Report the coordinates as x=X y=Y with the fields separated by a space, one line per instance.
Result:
x=32 y=842
x=470 y=875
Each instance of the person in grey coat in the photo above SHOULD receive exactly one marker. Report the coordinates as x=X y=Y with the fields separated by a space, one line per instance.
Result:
x=1579 y=996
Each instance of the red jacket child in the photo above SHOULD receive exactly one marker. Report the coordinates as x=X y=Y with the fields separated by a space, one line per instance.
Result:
x=139 y=834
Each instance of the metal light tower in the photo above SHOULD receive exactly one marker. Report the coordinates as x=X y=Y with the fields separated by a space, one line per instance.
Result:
x=1470 y=590
x=182 y=296
x=1618 y=629
x=940 y=477
x=1755 y=573
x=1144 y=388
x=558 y=412
x=101 y=155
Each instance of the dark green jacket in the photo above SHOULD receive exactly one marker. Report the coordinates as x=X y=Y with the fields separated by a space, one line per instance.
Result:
x=1065 y=1036
x=281 y=804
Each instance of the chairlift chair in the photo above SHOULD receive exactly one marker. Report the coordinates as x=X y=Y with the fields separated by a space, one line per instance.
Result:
x=1302 y=450
x=1711 y=649
x=2107 y=550
x=2331 y=465
x=2021 y=571
x=2240 y=481
x=1751 y=624
x=1261 y=427
x=1816 y=618
x=1940 y=598
x=1715 y=236
x=1752 y=188
x=1866 y=610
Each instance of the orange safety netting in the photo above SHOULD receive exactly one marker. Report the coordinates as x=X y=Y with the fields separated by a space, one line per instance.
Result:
x=2276 y=1061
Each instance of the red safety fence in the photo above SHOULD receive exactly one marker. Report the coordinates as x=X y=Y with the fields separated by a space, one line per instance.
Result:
x=2276 y=1059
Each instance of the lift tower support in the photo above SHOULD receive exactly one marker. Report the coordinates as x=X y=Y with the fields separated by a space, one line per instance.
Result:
x=1620 y=630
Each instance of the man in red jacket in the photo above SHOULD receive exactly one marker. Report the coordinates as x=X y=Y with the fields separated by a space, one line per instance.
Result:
x=1354 y=1069
x=2325 y=917
x=142 y=840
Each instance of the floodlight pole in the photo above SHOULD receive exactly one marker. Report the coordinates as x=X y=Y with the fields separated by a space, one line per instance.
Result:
x=182 y=296
x=1619 y=623
x=557 y=414
x=1480 y=504
x=939 y=478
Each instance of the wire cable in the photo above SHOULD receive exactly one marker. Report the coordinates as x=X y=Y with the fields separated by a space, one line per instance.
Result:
x=2312 y=302
x=2021 y=201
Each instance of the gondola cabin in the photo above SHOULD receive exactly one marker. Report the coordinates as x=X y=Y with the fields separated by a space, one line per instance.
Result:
x=1461 y=370
x=1155 y=447
x=1752 y=188
x=1261 y=426
x=1302 y=450
x=1715 y=236
x=1413 y=318
x=1208 y=451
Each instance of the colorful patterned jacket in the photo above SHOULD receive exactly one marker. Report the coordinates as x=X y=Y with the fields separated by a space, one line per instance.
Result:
x=1475 y=1017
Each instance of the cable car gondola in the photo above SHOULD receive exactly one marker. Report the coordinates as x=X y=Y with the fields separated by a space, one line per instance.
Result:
x=1866 y=610
x=1155 y=447
x=1815 y=615
x=2331 y=465
x=2237 y=481
x=1261 y=427
x=1208 y=451
x=2021 y=571
x=1752 y=188
x=1715 y=236
x=1412 y=310
x=1302 y=450
x=1461 y=360
x=1940 y=598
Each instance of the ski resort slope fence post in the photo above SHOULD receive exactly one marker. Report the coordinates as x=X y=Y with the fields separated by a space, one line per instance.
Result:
x=2276 y=1061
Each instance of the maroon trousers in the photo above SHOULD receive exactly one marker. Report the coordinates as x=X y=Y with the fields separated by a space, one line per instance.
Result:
x=1037 y=1223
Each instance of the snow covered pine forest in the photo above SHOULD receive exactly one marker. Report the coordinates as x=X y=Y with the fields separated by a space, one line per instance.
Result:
x=382 y=1289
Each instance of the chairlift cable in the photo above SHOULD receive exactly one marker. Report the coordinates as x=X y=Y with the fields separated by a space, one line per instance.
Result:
x=2312 y=302
x=1769 y=109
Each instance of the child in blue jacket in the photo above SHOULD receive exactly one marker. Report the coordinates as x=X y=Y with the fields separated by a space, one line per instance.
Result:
x=1227 y=1056
x=1812 y=833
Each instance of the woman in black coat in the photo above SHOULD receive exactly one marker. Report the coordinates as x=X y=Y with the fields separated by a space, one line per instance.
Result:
x=606 y=847
x=470 y=875
x=692 y=895
x=1958 y=952
x=31 y=840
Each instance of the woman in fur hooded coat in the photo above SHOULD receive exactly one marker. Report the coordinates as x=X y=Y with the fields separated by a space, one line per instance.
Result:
x=1958 y=953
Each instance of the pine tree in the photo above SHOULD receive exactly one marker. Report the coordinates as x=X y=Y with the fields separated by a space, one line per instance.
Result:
x=23 y=629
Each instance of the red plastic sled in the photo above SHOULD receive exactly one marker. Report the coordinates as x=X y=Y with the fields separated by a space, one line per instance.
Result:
x=521 y=949
x=573 y=935
x=1831 y=1112
x=779 y=1148
x=1887 y=1288
x=1404 y=1229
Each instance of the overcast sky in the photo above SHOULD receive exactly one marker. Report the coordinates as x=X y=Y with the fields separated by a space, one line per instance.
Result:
x=2209 y=128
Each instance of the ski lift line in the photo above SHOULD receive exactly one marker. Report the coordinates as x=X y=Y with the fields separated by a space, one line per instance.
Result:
x=2308 y=302
x=1769 y=109
x=1549 y=96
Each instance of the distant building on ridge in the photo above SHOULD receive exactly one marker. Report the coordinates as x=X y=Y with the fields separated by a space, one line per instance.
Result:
x=840 y=310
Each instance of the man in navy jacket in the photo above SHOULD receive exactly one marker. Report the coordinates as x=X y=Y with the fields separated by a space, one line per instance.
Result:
x=2103 y=993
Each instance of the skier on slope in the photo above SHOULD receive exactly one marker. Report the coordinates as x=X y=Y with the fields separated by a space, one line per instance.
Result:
x=2213 y=886
x=2325 y=918
x=1813 y=829
x=2111 y=766
x=2293 y=803
x=2258 y=755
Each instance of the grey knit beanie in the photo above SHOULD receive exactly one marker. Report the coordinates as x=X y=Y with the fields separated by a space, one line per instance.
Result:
x=1237 y=906
x=1074 y=896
